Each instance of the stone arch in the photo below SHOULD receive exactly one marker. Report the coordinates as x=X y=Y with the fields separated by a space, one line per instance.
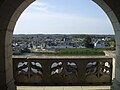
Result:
x=10 y=10
x=112 y=9
x=110 y=13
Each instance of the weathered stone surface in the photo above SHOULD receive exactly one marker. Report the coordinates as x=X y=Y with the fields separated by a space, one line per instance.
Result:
x=10 y=10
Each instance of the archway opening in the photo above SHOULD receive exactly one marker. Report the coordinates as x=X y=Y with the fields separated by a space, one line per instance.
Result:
x=44 y=17
x=71 y=23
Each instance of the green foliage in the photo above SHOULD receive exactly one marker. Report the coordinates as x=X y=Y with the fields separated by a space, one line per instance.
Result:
x=88 y=42
x=112 y=44
x=80 y=52
x=76 y=52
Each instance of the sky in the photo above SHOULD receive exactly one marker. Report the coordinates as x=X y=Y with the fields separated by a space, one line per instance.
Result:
x=63 y=17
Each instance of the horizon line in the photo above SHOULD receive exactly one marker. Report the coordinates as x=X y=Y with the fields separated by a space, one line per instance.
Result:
x=62 y=34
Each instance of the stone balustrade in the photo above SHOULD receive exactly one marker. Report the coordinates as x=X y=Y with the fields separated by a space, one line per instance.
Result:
x=54 y=70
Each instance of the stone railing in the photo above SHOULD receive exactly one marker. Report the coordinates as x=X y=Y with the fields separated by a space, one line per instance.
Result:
x=62 y=70
x=112 y=54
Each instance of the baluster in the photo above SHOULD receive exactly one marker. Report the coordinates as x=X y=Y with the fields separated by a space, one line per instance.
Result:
x=64 y=72
x=29 y=68
x=46 y=64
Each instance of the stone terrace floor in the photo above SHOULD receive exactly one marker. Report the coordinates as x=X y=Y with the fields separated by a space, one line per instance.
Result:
x=63 y=88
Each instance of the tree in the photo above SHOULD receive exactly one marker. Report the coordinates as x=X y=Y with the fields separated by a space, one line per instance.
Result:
x=88 y=42
x=112 y=44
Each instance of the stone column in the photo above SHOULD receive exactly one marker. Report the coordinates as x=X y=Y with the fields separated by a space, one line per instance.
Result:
x=6 y=74
x=2 y=62
x=116 y=26
x=8 y=57
x=10 y=10
x=116 y=81
x=6 y=69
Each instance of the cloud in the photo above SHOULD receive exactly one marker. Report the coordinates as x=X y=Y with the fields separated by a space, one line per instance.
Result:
x=40 y=7
x=37 y=7
x=42 y=4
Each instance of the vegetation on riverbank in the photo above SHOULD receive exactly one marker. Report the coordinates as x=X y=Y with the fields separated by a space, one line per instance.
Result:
x=75 y=52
